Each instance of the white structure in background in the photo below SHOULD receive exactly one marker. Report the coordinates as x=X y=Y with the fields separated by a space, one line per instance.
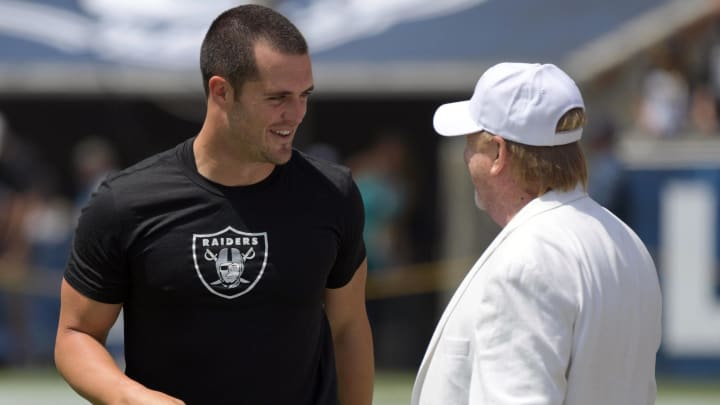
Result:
x=329 y=23
x=167 y=33
x=688 y=236
x=160 y=33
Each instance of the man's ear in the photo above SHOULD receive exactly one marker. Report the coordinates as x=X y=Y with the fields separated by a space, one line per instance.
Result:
x=501 y=158
x=220 y=92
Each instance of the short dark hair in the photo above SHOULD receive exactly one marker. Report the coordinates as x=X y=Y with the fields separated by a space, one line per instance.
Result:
x=228 y=48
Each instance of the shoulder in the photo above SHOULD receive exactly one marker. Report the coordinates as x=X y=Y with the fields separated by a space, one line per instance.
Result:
x=148 y=180
x=146 y=171
x=536 y=237
x=541 y=252
x=328 y=175
x=531 y=266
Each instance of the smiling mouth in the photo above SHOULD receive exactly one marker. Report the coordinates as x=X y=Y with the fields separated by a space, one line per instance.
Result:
x=283 y=133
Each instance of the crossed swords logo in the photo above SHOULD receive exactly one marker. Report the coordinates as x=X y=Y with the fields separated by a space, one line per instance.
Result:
x=230 y=269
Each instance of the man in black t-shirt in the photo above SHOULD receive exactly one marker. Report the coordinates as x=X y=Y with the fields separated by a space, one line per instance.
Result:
x=238 y=261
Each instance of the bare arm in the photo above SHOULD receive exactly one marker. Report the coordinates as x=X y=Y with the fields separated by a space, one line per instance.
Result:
x=82 y=359
x=352 y=339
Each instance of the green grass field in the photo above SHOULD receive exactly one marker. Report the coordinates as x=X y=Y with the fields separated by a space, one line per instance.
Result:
x=45 y=387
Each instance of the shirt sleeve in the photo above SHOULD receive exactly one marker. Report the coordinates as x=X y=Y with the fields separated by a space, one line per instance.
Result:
x=523 y=336
x=96 y=267
x=351 y=252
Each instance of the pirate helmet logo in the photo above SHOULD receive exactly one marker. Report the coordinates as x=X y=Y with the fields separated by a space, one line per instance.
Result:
x=230 y=262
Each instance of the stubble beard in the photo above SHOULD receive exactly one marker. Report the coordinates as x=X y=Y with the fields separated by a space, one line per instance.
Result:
x=277 y=158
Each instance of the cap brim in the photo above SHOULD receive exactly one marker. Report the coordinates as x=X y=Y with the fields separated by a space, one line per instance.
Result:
x=453 y=119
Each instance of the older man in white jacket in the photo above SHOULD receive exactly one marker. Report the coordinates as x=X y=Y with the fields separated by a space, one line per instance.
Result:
x=564 y=306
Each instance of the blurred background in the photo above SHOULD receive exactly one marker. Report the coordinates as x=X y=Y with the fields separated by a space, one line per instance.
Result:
x=90 y=86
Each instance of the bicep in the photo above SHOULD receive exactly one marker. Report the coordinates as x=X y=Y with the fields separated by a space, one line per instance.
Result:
x=79 y=313
x=347 y=303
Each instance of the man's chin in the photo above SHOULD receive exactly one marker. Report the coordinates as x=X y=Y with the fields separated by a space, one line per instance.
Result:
x=279 y=159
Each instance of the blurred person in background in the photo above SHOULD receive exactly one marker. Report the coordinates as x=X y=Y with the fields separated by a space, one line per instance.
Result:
x=380 y=171
x=93 y=159
x=665 y=96
x=564 y=305
x=323 y=151
x=703 y=110
x=48 y=231
x=14 y=330
x=238 y=261
x=25 y=187
x=605 y=169
x=48 y=228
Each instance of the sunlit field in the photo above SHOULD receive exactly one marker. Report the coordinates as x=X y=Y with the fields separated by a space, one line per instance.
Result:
x=45 y=387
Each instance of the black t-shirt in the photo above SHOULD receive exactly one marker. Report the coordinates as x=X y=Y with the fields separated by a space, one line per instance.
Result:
x=222 y=287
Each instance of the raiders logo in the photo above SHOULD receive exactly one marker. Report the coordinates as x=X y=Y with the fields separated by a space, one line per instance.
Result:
x=230 y=262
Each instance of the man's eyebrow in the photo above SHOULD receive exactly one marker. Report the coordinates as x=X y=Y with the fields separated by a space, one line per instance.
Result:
x=286 y=93
x=277 y=93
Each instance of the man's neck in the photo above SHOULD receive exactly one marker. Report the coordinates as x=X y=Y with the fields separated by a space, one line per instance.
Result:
x=507 y=203
x=217 y=162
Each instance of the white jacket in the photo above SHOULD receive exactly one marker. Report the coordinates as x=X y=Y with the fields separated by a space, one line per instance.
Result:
x=563 y=307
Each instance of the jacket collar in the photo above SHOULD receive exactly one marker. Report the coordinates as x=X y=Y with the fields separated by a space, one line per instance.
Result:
x=548 y=201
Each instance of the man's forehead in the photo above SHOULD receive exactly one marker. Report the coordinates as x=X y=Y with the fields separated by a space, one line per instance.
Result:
x=267 y=54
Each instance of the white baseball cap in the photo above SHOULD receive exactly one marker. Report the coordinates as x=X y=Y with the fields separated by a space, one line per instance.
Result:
x=521 y=102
